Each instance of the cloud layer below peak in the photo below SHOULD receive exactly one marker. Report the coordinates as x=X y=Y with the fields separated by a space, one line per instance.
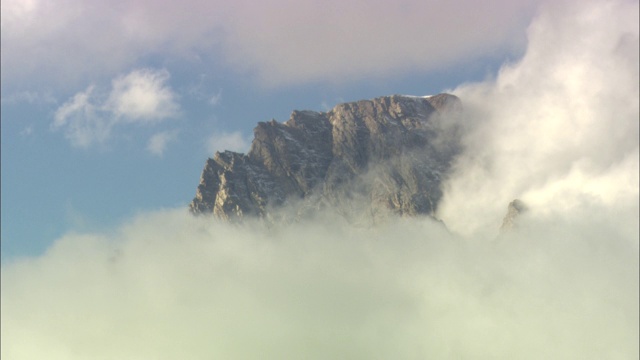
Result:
x=169 y=285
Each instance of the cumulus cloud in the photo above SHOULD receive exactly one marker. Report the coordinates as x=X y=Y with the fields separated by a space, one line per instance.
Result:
x=557 y=129
x=310 y=41
x=232 y=141
x=158 y=142
x=142 y=96
x=170 y=285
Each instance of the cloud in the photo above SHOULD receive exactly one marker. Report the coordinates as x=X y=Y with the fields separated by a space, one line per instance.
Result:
x=83 y=121
x=158 y=142
x=557 y=129
x=232 y=141
x=142 y=97
x=311 y=41
x=30 y=97
x=201 y=90
x=168 y=284
x=27 y=131
x=216 y=98
x=339 y=41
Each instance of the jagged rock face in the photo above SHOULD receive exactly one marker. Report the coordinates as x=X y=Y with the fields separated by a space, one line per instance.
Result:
x=363 y=159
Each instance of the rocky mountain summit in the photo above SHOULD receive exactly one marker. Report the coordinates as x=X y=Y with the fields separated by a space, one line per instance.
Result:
x=515 y=209
x=363 y=160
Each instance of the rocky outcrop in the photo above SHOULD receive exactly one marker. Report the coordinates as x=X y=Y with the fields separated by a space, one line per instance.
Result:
x=514 y=211
x=364 y=160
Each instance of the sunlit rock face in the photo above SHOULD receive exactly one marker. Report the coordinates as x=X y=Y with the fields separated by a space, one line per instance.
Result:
x=363 y=160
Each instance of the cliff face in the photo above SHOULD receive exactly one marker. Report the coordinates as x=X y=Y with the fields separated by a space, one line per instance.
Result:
x=363 y=160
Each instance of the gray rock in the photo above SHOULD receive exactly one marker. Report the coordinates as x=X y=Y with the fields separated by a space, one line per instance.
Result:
x=363 y=160
x=514 y=211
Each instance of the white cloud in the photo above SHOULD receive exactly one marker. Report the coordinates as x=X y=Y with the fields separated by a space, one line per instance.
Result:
x=82 y=120
x=557 y=128
x=158 y=142
x=142 y=96
x=233 y=141
x=169 y=285
x=312 y=41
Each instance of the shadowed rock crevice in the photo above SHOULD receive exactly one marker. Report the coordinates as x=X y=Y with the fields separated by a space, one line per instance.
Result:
x=363 y=160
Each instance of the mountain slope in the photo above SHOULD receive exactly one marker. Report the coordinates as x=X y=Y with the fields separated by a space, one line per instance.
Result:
x=362 y=159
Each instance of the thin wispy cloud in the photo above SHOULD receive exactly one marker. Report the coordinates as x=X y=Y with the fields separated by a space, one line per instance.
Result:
x=27 y=131
x=232 y=141
x=30 y=97
x=158 y=143
x=215 y=99
x=201 y=90
x=140 y=97
x=82 y=120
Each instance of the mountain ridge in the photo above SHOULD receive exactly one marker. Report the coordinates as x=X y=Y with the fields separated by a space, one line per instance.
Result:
x=364 y=160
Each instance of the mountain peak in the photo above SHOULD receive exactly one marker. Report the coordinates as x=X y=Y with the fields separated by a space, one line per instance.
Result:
x=514 y=210
x=363 y=159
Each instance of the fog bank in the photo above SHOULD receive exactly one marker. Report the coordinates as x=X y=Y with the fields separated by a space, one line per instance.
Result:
x=168 y=285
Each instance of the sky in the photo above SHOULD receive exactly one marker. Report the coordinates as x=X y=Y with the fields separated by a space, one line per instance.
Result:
x=112 y=109
x=109 y=112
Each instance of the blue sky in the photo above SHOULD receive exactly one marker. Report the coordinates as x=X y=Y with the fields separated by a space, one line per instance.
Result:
x=208 y=80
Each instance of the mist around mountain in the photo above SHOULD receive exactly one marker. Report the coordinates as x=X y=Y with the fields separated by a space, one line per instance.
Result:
x=557 y=129
x=364 y=160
